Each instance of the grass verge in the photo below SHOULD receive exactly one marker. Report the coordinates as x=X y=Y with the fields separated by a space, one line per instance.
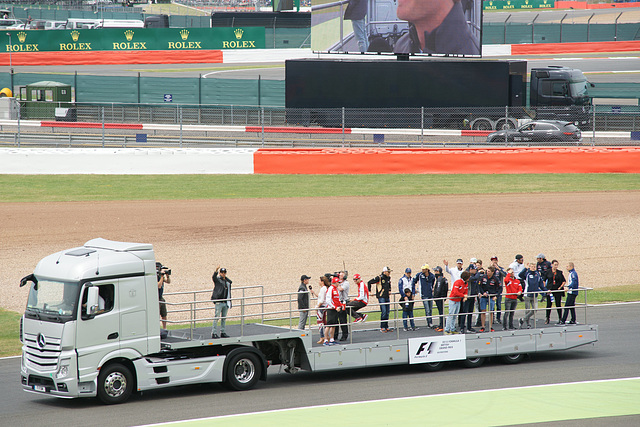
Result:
x=64 y=188
x=9 y=333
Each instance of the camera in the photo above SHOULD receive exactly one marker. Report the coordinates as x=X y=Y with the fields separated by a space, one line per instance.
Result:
x=165 y=270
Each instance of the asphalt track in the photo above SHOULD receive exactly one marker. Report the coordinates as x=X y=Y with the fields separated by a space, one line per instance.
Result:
x=494 y=394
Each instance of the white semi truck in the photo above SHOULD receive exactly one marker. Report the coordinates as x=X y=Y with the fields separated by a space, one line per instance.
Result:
x=91 y=328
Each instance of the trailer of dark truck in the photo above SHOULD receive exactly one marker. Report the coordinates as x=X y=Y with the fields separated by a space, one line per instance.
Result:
x=451 y=93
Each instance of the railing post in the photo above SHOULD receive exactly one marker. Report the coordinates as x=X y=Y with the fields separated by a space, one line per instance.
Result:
x=262 y=124
x=19 y=113
x=593 y=120
x=102 y=109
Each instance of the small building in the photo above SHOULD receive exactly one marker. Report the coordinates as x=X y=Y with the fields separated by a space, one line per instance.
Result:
x=39 y=100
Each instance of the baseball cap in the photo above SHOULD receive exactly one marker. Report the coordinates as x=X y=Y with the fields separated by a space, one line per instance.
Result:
x=386 y=269
x=472 y=266
x=223 y=270
x=407 y=270
x=335 y=280
x=426 y=267
x=473 y=260
x=438 y=269
x=519 y=256
x=304 y=277
x=459 y=261
x=356 y=276
x=494 y=257
x=541 y=255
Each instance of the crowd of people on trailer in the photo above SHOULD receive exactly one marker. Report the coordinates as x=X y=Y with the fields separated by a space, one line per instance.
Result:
x=472 y=288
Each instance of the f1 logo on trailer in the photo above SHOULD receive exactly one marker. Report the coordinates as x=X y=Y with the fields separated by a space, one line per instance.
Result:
x=437 y=349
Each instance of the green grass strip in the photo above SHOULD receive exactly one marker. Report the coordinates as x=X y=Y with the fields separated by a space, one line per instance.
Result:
x=58 y=188
x=525 y=405
x=9 y=332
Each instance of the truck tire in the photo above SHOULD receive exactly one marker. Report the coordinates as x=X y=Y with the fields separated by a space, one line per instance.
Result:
x=115 y=384
x=482 y=124
x=512 y=359
x=503 y=124
x=432 y=367
x=473 y=362
x=243 y=371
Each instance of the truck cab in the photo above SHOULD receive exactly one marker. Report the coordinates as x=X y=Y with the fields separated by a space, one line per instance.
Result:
x=560 y=93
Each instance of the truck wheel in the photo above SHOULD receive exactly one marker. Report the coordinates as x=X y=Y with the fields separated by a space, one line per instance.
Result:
x=432 y=367
x=503 y=124
x=512 y=359
x=473 y=362
x=243 y=371
x=482 y=124
x=115 y=384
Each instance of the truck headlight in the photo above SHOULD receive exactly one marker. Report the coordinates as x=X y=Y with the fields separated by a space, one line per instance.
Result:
x=63 y=371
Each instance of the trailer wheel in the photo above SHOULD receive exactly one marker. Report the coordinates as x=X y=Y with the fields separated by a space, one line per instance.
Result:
x=511 y=359
x=243 y=371
x=473 y=362
x=482 y=124
x=504 y=124
x=115 y=384
x=432 y=367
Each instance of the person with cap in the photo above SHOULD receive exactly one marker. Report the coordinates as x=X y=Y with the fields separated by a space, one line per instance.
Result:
x=221 y=296
x=572 y=293
x=454 y=272
x=533 y=285
x=383 y=294
x=426 y=280
x=360 y=301
x=333 y=307
x=555 y=283
x=543 y=266
x=440 y=292
x=163 y=276
x=303 y=300
x=489 y=288
x=343 y=288
x=457 y=295
x=500 y=275
x=517 y=265
x=406 y=281
x=406 y=302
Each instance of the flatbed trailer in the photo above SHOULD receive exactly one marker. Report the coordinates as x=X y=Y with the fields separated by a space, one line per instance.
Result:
x=71 y=349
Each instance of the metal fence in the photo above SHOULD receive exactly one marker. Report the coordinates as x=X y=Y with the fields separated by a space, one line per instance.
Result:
x=123 y=125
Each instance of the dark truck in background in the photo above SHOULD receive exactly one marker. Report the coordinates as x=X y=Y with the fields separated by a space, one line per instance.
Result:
x=431 y=93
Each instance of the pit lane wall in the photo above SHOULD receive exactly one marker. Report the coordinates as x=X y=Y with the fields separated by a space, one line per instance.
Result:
x=151 y=161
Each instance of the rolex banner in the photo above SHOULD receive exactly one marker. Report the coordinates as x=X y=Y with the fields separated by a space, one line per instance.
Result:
x=518 y=4
x=133 y=39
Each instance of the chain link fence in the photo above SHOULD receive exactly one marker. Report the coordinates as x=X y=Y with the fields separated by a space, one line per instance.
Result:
x=129 y=125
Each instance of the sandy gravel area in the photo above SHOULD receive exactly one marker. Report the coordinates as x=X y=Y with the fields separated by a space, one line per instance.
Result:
x=273 y=241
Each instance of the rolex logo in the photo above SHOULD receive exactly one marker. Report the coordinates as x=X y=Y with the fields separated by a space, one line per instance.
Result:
x=129 y=35
x=22 y=36
x=75 y=35
x=184 y=34
x=238 y=32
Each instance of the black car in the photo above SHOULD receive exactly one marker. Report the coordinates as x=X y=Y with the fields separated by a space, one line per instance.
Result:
x=539 y=131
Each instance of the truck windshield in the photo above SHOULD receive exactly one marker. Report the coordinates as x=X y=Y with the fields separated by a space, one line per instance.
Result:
x=52 y=301
x=579 y=88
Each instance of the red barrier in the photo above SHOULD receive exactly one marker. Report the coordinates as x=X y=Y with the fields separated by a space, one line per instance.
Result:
x=107 y=57
x=448 y=161
x=273 y=129
x=586 y=47
x=584 y=5
x=91 y=125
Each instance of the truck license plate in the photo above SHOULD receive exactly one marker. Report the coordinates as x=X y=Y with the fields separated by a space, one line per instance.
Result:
x=40 y=388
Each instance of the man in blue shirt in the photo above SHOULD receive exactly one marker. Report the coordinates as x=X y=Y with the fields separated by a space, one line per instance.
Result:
x=572 y=293
x=426 y=279
x=533 y=284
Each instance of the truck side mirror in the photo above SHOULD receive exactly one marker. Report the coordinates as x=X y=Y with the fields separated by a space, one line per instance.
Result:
x=92 y=301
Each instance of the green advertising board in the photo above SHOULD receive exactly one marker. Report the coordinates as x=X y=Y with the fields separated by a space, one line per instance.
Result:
x=133 y=39
x=518 y=4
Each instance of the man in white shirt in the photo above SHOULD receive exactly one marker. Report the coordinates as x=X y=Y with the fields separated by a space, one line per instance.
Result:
x=454 y=272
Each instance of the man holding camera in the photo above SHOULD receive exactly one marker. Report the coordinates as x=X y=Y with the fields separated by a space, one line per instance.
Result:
x=163 y=275
x=221 y=296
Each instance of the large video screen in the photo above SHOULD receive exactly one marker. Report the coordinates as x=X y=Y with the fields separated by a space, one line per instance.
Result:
x=421 y=27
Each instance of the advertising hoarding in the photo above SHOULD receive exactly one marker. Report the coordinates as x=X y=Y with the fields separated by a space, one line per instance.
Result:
x=427 y=27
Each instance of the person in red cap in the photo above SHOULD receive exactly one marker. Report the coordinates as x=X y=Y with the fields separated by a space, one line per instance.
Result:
x=360 y=301
x=333 y=307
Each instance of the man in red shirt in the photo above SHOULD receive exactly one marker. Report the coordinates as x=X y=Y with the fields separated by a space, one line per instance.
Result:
x=512 y=291
x=458 y=293
x=360 y=301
